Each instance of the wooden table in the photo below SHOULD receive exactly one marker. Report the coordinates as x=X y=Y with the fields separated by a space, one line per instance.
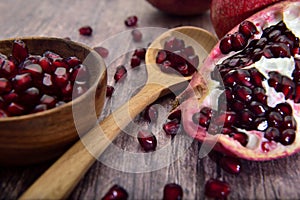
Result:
x=258 y=180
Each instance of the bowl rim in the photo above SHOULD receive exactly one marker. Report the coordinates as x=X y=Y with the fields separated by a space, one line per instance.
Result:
x=71 y=103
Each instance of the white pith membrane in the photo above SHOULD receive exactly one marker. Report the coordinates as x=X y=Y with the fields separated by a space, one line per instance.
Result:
x=289 y=13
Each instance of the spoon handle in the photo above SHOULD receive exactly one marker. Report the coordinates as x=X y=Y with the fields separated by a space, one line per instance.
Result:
x=60 y=179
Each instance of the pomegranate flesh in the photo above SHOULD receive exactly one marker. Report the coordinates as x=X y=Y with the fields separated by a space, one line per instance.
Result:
x=248 y=105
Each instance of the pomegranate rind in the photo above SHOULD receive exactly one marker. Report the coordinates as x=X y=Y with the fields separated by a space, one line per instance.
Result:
x=194 y=95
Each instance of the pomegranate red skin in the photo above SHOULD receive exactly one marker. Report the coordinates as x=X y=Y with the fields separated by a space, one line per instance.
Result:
x=224 y=17
x=181 y=8
x=198 y=90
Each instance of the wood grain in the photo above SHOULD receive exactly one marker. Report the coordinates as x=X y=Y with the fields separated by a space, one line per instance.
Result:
x=259 y=180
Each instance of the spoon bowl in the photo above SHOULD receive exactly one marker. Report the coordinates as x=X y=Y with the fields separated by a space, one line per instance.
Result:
x=55 y=183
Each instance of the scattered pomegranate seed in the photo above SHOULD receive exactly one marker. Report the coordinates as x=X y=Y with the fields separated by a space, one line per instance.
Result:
x=116 y=192
x=147 y=140
x=135 y=61
x=19 y=50
x=230 y=164
x=109 y=91
x=103 y=52
x=171 y=127
x=140 y=53
x=85 y=30
x=131 y=21
x=217 y=189
x=120 y=73
x=136 y=35
x=172 y=191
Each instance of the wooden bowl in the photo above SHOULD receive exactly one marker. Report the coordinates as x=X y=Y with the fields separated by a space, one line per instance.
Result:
x=43 y=136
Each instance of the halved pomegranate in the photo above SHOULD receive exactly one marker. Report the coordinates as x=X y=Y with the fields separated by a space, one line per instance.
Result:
x=245 y=100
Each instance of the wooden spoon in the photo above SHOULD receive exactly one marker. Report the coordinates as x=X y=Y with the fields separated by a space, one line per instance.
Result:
x=60 y=179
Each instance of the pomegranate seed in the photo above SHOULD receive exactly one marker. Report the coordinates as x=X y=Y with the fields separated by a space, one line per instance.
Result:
x=238 y=41
x=189 y=51
x=131 y=21
x=46 y=65
x=284 y=109
x=171 y=127
x=174 y=44
x=59 y=63
x=60 y=77
x=183 y=69
x=5 y=86
x=47 y=84
x=230 y=164
x=225 y=44
x=259 y=95
x=10 y=97
x=22 y=82
x=243 y=93
x=19 y=50
x=161 y=56
x=103 y=52
x=172 y=191
x=258 y=109
x=147 y=140
x=39 y=108
x=289 y=122
x=288 y=137
x=201 y=119
x=140 y=53
x=247 y=28
x=151 y=113
x=136 y=35
x=72 y=61
x=275 y=118
x=261 y=124
x=135 y=61
x=272 y=134
x=48 y=100
x=85 y=30
x=30 y=96
x=175 y=115
x=15 y=109
x=120 y=73
x=8 y=69
x=275 y=80
x=51 y=55
x=166 y=67
x=116 y=192
x=241 y=137
x=287 y=87
x=3 y=114
x=35 y=70
x=67 y=91
x=79 y=73
x=266 y=146
x=109 y=91
x=217 y=189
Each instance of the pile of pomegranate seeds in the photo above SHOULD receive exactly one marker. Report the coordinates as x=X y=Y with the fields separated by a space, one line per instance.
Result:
x=172 y=191
x=116 y=192
x=247 y=102
x=147 y=140
x=176 y=56
x=131 y=21
x=34 y=83
x=215 y=188
x=85 y=30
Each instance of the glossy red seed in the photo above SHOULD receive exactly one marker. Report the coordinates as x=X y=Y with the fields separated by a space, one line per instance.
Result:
x=48 y=100
x=161 y=56
x=35 y=70
x=30 y=96
x=225 y=44
x=247 y=28
x=51 y=55
x=284 y=108
x=116 y=192
x=275 y=119
x=171 y=127
x=60 y=77
x=201 y=119
x=22 y=81
x=85 y=30
x=131 y=21
x=8 y=69
x=15 y=109
x=120 y=73
x=67 y=91
x=175 y=115
x=230 y=164
x=5 y=86
x=137 y=35
x=19 y=50
x=11 y=97
x=109 y=91
x=288 y=137
x=72 y=61
x=238 y=41
x=102 y=51
x=287 y=87
x=140 y=52
x=241 y=138
x=46 y=65
x=217 y=189
x=289 y=122
x=272 y=133
x=172 y=191
x=147 y=140
x=135 y=61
